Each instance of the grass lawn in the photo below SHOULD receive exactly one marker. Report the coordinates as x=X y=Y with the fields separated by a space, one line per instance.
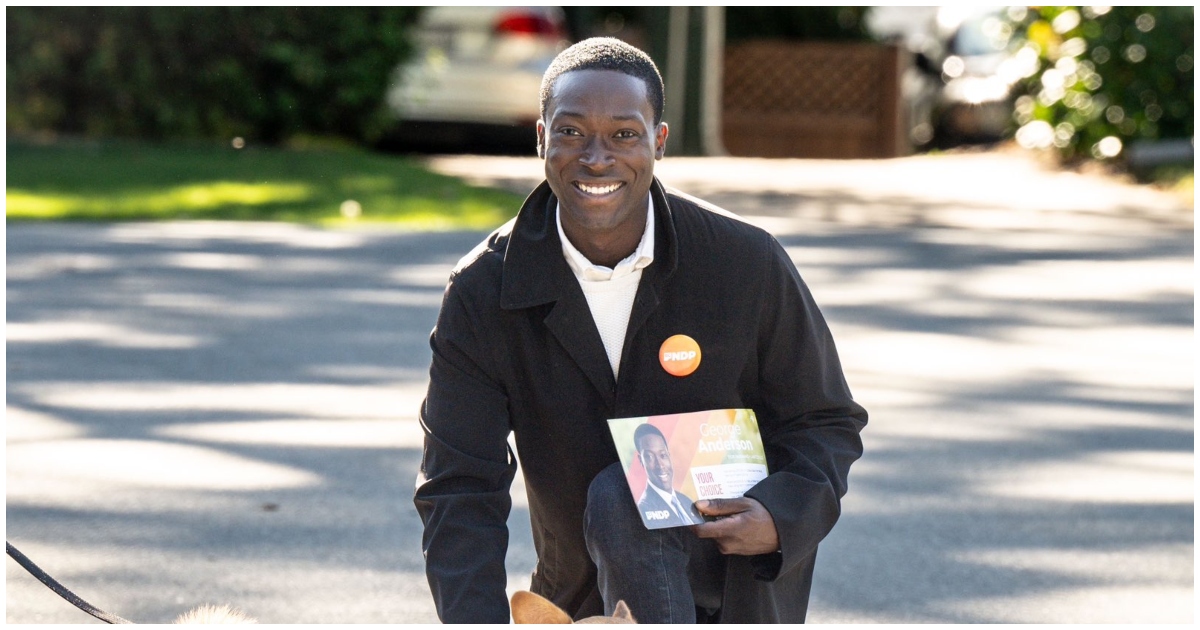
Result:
x=1178 y=180
x=119 y=181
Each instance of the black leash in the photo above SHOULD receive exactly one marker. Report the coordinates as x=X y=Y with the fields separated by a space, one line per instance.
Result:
x=59 y=588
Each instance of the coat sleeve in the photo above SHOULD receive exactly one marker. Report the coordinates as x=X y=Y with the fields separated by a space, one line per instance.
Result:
x=809 y=422
x=466 y=471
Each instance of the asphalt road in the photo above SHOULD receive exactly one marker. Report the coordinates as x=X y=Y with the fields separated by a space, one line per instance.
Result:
x=226 y=412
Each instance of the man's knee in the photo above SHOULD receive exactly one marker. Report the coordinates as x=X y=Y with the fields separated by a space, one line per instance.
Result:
x=609 y=491
x=610 y=522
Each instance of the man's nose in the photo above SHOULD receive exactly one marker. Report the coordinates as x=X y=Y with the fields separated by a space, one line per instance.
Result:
x=596 y=153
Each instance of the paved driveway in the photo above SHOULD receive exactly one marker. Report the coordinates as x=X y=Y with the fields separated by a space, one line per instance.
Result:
x=226 y=412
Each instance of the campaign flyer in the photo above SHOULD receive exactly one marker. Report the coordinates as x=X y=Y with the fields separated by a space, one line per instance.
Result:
x=673 y=460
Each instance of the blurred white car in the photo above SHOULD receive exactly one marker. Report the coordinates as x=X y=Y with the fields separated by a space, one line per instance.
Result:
x=979 y=72
x=478 y=65
x=959 y=88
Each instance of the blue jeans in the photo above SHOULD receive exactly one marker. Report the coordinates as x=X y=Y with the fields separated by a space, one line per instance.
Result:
x=663 y=575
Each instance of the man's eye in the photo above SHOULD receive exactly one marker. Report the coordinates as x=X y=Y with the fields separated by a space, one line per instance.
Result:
x=626 y=133
x=569 y=131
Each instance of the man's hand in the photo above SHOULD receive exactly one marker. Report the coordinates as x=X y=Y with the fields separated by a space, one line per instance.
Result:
x=745 y=527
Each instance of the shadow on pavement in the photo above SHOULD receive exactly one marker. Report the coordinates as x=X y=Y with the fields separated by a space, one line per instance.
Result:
x=227 y=412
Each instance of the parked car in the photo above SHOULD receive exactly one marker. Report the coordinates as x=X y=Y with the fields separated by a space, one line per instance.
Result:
x=476 y=73
x=959 y=87
x=978 y=72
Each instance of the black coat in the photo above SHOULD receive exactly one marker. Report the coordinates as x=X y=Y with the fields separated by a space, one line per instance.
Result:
x=651 y=501
x=516 y=349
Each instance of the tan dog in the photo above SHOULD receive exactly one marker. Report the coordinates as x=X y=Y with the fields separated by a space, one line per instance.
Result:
x=533 y=608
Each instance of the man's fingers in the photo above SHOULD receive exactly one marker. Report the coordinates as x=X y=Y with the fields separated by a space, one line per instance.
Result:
x=721 y=530
x=722 y=507
x=743 y=526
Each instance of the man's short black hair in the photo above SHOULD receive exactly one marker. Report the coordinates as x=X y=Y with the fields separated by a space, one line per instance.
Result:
x=644 y=430
x=607 y=53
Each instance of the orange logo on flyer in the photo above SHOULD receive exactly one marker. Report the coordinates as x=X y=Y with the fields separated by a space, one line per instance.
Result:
x=679 y=355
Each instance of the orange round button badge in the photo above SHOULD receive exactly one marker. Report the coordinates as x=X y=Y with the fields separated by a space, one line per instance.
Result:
x=679 y=355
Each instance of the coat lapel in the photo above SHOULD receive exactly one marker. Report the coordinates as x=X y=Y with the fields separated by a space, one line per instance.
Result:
x=536 y=273
x=654 y=277
x=570 y=321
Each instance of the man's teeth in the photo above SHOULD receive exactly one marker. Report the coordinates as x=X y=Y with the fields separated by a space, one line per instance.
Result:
x=598 y=190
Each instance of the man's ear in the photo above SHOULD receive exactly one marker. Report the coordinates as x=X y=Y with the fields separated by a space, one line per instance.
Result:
x=660 y=141
x=541 y=139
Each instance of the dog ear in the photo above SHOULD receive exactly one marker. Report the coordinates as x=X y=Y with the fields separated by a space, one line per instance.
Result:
x=622 y=612
x=209 y=614
x=533 y=608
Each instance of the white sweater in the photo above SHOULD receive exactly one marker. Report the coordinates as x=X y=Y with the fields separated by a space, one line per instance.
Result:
x=610 y=292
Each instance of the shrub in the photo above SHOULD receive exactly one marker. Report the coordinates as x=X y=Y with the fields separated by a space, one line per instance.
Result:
x=194 y=72
x=1108 y=76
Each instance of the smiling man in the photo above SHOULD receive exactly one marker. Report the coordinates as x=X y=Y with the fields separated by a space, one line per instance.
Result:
x=558 y=321
x=660 y=495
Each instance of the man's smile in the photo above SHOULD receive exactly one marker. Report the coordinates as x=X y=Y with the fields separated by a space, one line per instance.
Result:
x=598 y=190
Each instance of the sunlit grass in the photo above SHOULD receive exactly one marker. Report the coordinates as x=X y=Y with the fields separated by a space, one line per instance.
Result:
x=124 y=181
x=1177 y=179
x=1185 y=188
x=194 y=197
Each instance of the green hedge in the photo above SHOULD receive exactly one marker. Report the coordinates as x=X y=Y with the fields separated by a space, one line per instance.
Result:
x=1106 y=77
x=262 y=73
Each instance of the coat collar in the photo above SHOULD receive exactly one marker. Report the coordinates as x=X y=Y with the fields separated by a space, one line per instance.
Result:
x=535 y=271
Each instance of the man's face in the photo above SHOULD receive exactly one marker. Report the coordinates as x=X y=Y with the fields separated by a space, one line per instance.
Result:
x=600 y=143
x=657 y=461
